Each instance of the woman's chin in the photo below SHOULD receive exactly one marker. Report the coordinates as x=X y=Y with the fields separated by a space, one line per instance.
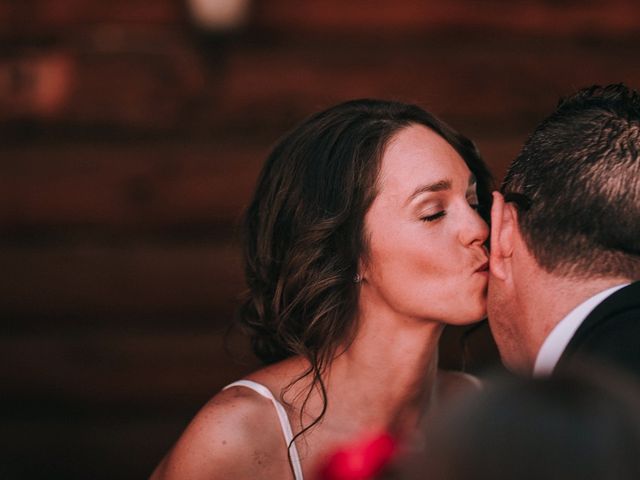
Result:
x=473 y=315
x=473 y=320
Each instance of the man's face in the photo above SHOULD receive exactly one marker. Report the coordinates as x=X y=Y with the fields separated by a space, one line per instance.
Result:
x=506 y=281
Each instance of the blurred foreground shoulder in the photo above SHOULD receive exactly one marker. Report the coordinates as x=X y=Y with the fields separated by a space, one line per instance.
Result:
x=233 y=436
x=453 y=383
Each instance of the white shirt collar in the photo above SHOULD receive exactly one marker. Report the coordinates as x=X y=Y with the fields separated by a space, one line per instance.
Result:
x=555 y=343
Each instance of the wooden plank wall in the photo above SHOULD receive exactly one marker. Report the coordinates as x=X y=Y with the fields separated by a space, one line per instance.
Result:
x=129 y=144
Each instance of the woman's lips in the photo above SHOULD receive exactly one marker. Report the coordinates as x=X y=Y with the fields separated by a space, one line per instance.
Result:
x=484 y=268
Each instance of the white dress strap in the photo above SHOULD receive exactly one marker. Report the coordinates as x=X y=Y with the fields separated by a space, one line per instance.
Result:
x=284 y=422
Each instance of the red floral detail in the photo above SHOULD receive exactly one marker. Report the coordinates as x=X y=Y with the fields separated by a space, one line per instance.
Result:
x=361 y=460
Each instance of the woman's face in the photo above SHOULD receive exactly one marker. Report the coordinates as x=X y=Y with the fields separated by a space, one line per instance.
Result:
x=425 y=257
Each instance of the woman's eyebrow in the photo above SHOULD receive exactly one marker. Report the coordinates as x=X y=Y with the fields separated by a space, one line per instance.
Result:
x=438 y=186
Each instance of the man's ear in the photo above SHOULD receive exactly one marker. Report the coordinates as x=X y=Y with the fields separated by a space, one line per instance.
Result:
x=503 y=228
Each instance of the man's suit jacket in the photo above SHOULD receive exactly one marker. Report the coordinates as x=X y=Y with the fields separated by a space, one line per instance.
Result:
x=610 y=335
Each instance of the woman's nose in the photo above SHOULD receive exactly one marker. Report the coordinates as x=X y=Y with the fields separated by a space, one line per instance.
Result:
x=475 y=229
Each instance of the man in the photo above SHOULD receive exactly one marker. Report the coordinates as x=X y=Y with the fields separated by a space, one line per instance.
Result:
x=565 y=241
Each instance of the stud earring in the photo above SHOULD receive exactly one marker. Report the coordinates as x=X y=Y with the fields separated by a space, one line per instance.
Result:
x=357 y=278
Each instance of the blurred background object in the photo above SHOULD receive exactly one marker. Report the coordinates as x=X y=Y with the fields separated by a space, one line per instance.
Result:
x=219 y=15
x=581 y=424
x=131 y=134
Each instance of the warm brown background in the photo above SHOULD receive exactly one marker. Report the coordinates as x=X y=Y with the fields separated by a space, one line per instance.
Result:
x=130 y=141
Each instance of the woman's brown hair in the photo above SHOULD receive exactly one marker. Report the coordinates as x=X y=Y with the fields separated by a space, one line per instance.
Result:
x=304 y=229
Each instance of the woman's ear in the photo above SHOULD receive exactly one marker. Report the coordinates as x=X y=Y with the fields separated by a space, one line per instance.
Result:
x=503 y=218
x=362 y=270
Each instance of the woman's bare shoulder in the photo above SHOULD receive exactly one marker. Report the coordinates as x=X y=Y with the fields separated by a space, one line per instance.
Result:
x=232 y=436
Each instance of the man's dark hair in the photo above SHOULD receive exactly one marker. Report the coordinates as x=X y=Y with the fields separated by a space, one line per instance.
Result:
x=579 y=177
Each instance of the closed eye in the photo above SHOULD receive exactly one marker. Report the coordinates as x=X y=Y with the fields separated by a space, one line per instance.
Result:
x=434 y=217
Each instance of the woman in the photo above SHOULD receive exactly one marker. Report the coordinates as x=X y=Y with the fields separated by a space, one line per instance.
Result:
x=362 y=241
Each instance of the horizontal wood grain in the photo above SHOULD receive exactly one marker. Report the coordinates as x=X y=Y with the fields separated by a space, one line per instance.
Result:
x=116 y=281
x=104 y=447
x=131 y=78
x=41 y=17
x=161 y=83
x=89 y=371
x=128 y=187
x=567 y=18
x=493 y=85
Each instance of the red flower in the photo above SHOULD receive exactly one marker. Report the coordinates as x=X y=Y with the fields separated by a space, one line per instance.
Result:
x=361 y=460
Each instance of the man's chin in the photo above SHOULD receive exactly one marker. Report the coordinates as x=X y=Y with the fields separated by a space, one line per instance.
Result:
x=517 y=365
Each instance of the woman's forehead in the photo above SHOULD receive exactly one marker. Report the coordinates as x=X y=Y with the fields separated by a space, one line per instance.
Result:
x=416 y=156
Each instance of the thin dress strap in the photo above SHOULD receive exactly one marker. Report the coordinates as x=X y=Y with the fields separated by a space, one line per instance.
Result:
x=284 y=421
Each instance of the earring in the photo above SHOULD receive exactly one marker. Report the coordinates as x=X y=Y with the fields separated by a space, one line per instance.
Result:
x=357 y=278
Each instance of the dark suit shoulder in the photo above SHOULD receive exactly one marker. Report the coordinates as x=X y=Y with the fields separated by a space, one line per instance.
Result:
x=618 y=336
x=610 y=334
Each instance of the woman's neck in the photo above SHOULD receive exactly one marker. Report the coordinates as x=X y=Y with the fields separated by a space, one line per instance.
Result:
x=390 y=367
x=382 y=380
